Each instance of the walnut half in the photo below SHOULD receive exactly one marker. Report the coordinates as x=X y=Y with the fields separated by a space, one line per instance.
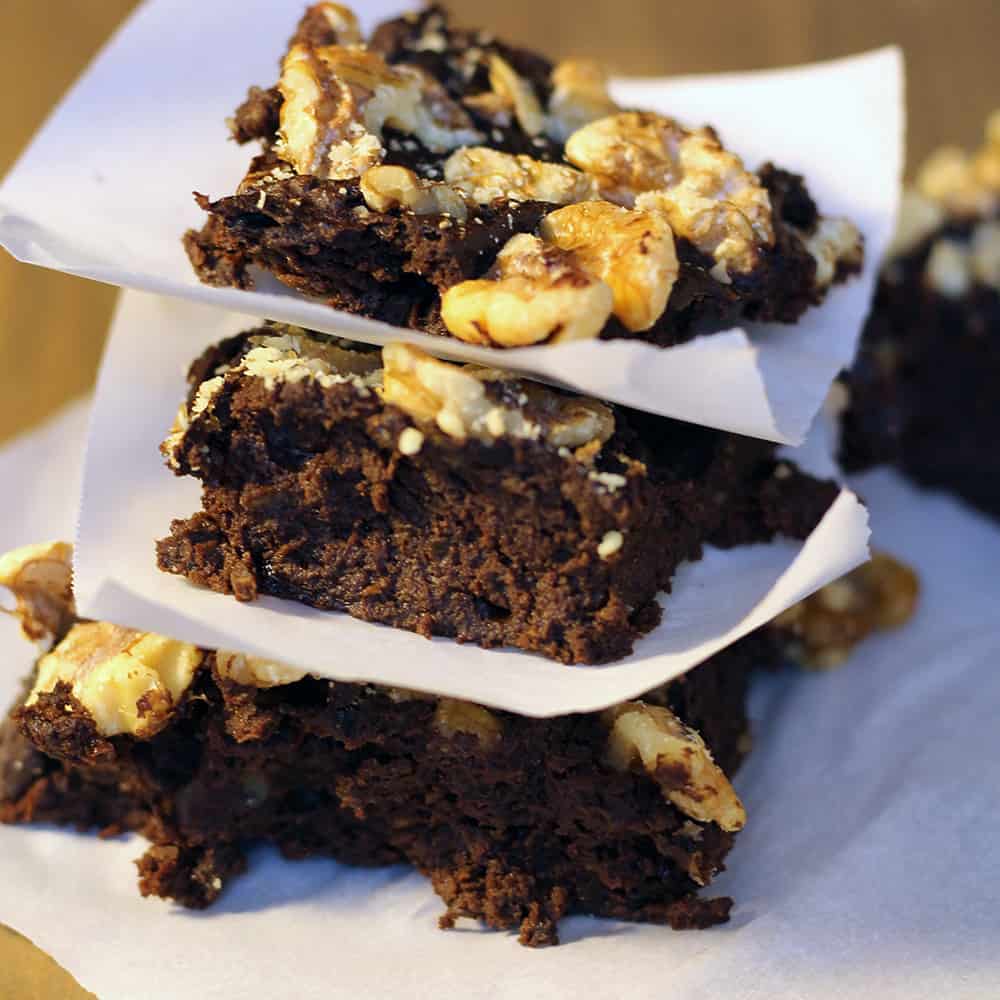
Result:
x=632 y=251
x=675 y=756
x=534 y=293
x=128 y=681
x=654 y=163
x=825 y=627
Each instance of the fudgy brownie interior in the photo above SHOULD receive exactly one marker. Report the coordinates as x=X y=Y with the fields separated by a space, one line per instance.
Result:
x=455 y=500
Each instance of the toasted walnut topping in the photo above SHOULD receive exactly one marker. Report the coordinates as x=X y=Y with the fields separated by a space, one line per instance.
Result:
x=455 y=399
x=128 y=681
x=948 y=269
x=341 y=20
x=675 y=756
x=651 y=161
x=953 y=266
x=485 y=175
x=40 y=578
x=918 y=218
x=509 y=94
x=834 y=242
x=293 y=357
x=533 y=293
x=452 y=716
x=579 y=96
x=387 y=187
x=337 y=99
x=985 y=254
x=825 y=627
x=964 y=184
x=631 y=251
x=571 y=421
x=253 y=671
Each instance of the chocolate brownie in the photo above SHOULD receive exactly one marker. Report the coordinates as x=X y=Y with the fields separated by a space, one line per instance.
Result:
x=440 y=179
x=922 y=394
x=456 y=500
x=626 y=813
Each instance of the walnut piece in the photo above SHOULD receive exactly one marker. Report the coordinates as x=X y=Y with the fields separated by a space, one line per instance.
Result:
x=509 y=94
x=825 y=627
x=965 y=185
x=654 y=163
x=579 y=96
x=453 y=716
x=40 y=578
x=128 y=681
x=918 y=218
x=484 y=175
x=337 y=99
x=631 y=251
x=388 y=187
x=534 y=293
x=832 y=243
x=341 y=21
x=455 y=399
x=254 y=671
x=675 y=756
x=294 y=356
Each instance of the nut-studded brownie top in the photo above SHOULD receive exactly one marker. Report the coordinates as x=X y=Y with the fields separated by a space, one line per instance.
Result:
x=439 y=178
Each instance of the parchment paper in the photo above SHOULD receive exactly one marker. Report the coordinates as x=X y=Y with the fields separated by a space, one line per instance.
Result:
x=869 y=867
x=105 y=191
x=129 y=499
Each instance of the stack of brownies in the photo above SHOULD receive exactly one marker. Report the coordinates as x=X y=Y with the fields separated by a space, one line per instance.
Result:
x=439 y=179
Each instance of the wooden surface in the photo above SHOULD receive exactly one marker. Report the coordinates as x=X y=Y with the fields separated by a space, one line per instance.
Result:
x=52 y=326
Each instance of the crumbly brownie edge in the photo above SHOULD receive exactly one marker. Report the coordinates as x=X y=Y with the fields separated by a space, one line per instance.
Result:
x=517 y=833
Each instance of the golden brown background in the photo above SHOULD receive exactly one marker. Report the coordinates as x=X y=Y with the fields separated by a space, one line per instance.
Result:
x=52 y=326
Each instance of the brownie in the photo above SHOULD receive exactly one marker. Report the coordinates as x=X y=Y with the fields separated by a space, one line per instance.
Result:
x=455 y=500
x=626 y=813
x=922 y=393
x=421 y=178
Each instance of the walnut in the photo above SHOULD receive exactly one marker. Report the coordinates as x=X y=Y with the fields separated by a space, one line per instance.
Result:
x=579 y=96
x=985 y=254
x=570 y=421
x=387 y=187
x=337 y=99
x=631 y=251
x=918 y=218
x=832 y=243
x=654 y=163
x=675 y=756
x=452 y=716
x=455 y=399
x=341 y=21
x=128 y=681
x=253 y=671
x=294 y=356
x=509 y=94
x=533 y=293
x=962 y=184
x=949 y=269
x=40 y=578
x=485 y=175
x=825 y=627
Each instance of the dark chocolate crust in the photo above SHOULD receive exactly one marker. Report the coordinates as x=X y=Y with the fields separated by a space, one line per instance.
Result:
x=307 y=496
x=394 y=266
x=922 y=393
x=517 y=832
